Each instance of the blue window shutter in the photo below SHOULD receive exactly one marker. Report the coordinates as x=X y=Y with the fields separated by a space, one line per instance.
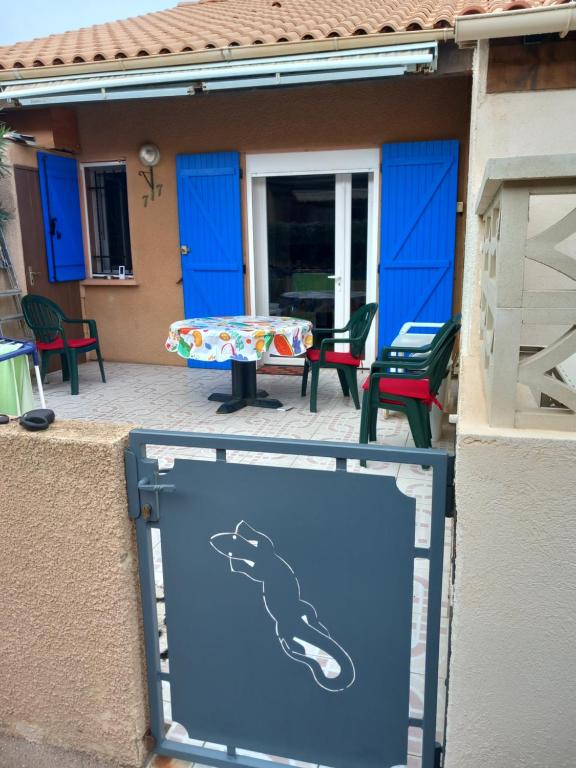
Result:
x=417 y=234
x=62 y=220
x=211 y=228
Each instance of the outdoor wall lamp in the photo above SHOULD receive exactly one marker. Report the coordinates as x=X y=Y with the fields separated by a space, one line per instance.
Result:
x=149 y=156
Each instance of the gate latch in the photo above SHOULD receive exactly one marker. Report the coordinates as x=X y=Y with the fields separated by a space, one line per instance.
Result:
x=151 y=513
x=144 y=485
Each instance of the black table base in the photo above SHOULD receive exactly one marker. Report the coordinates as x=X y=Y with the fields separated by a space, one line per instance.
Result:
x=244 y=391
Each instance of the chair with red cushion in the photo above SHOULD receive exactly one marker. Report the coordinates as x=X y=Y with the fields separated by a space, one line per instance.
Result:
x=345 y=363
x=48 y=322
x=413 y=388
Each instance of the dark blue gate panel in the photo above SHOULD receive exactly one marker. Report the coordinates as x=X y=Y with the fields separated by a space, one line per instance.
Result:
x=62 y=221
x=289 y=599
x=210 y=226
x=236 y=674
x=418 y=229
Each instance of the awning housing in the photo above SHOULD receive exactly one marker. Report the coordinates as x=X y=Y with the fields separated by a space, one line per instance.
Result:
x=356 y=64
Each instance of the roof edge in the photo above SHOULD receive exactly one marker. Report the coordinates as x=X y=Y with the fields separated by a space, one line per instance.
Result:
x=548 y=19
x=233 y=53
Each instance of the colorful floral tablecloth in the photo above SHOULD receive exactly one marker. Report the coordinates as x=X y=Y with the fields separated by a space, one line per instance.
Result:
x=244 y=338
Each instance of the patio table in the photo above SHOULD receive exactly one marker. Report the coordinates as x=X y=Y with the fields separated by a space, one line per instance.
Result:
x=243 y=339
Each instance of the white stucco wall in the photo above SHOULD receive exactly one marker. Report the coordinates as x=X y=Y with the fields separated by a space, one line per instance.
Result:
x=506 y=125
x=512 y=699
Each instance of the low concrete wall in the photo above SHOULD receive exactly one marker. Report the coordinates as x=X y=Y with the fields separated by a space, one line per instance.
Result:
x=72 y=672
x=512 y=700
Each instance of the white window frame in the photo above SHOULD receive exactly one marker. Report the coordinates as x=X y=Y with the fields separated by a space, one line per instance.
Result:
x=339 y=162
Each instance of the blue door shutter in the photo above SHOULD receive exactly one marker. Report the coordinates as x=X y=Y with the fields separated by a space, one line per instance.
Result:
x=62 y=221
x=211 y=231
x=417 y=233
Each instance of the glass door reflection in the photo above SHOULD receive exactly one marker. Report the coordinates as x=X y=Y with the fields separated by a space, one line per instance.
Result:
x=301 y=247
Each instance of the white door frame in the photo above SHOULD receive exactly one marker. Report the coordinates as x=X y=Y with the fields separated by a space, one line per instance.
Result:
x=338 y=162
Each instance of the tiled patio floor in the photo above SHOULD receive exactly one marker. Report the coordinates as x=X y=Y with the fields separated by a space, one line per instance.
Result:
x=163 y=397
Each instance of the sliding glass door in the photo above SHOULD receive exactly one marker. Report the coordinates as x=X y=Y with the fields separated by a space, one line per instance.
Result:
x=312 y=235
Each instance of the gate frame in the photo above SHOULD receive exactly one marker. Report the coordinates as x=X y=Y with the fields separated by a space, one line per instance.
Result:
x=144 y=479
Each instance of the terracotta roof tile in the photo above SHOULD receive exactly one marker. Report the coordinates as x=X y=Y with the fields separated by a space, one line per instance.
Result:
x=222 y=23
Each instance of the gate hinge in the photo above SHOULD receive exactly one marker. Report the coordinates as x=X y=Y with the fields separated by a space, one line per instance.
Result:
x=150 y=512
x=450 y=501
x=438 y=752
x=131 y=468
x=450 y=490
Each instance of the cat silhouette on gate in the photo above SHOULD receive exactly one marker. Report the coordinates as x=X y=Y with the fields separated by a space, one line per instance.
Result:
x=253 y=554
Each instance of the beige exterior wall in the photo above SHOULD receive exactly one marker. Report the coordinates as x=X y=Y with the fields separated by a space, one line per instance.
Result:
x=512 y=700
x=133 y=317
x=72 y=672
x=506 y=125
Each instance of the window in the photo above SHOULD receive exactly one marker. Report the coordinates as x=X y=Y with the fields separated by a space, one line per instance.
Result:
x=108 y=229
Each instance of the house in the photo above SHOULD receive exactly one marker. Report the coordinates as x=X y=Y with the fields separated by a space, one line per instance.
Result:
x=278 y=157
x=291 y=144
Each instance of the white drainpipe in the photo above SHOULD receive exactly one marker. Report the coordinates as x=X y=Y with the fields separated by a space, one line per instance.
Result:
x=559 y=19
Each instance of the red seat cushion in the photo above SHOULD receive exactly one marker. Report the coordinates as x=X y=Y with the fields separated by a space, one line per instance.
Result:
x=419 y=389
x=341 y=358
x=59 y=344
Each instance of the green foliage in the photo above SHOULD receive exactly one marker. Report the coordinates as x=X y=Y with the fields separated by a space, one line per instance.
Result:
x=3 y=167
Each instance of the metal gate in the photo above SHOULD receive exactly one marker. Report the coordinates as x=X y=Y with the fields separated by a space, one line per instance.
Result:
x=289 y=599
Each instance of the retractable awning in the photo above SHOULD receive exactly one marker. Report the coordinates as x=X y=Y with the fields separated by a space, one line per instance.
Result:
x=355 y=64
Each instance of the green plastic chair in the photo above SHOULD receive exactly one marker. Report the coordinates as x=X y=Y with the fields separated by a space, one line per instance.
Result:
x=346 y=363
x=48 y=322
x=408 y=384
x=391 y=352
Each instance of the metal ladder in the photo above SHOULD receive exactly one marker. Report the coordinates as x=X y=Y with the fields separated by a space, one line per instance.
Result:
x=10 y=293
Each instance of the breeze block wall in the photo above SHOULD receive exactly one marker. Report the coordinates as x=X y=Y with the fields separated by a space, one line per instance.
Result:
x=72 y=673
